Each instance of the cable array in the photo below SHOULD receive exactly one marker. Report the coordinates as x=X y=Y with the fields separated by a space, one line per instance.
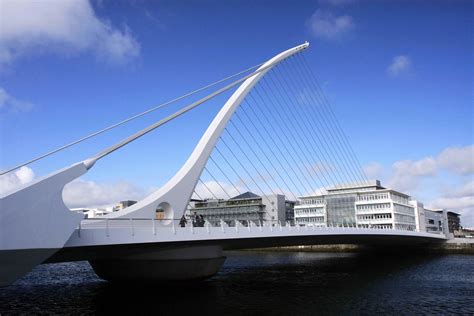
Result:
x=284 y=139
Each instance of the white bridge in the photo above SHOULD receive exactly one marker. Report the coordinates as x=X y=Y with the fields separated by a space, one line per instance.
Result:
x=130 y=244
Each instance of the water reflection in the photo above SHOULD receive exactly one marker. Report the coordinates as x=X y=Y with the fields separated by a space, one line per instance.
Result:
x=263 y=282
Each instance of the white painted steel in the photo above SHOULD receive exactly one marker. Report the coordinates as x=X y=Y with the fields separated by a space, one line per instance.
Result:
x=178 y=190
x=35 y=223
x=34 y=216
x=93 y=234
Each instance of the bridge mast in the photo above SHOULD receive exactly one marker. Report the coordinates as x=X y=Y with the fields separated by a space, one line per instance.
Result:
x=174 y=196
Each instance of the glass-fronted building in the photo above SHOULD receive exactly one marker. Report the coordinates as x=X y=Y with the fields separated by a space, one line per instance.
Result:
x=364 y=205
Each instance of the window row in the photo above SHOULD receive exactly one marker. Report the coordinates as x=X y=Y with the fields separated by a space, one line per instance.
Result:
x=373 y=197
x=312 y=201
x=404 y=218
x=377 y=226
x=369 y=207
x=310 y=220
x=405 y=227
x=400 y=199
x=374 y=216
x=313 y=210
x=404 y=209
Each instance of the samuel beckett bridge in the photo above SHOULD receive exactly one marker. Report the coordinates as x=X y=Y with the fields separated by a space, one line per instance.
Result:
x=274 y=144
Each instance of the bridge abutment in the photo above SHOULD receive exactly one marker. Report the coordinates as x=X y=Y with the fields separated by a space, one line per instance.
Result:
x=182 y=264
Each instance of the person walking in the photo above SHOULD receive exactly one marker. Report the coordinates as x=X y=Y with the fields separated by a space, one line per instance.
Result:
x=201 y=221
x=183 y=221
x=195 y=219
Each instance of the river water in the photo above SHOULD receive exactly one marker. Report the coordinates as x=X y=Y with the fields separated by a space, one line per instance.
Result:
x=262 y=283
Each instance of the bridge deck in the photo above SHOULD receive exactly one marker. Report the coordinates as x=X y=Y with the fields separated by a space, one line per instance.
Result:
x=114 y=238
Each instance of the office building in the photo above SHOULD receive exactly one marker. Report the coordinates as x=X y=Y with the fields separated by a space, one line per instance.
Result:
x=362 y=205
x=245 y=208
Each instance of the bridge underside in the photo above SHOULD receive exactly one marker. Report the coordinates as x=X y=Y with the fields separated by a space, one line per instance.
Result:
x=106 y=252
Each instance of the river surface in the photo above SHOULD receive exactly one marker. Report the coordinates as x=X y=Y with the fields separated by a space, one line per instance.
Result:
x=262 y=283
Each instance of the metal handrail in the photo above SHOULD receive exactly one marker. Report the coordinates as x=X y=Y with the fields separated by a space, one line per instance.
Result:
x=256 y=226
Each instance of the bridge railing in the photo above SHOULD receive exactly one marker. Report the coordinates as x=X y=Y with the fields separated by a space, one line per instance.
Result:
x=108 y=225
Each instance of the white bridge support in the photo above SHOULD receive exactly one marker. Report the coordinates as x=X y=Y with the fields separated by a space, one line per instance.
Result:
x=35 y=223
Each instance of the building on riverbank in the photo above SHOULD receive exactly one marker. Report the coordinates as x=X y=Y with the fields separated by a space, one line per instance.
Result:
x=371 y=205
x=360 y=205
x=245 y=208
x=454 y=220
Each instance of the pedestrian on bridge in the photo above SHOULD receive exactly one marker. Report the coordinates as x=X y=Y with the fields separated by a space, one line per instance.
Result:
x=195 y=219
x=183 y=221
x=200 y=221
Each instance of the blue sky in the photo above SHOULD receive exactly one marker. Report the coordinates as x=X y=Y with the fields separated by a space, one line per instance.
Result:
x=399 y=75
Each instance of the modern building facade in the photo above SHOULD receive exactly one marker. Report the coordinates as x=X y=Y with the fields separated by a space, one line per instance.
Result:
x=311 y=211
x=440 y=221
x=361 y=205
x=290 y=211
x=454 y=221
x=420 y=218
x=433 y=221
x=247 y=208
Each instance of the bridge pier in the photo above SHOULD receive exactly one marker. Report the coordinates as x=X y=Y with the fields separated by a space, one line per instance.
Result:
x=182 y=264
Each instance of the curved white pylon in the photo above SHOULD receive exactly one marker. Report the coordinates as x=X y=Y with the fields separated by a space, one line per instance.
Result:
x=174 y=196
x=35 y=223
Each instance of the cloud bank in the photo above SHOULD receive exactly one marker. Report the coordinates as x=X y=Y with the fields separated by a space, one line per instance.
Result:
x=29 y=27
x=406 y=174
x=82 y=193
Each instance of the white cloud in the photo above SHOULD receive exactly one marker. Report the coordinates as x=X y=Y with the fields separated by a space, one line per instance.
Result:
x=324 y=24
x=467 y=189
x=400 y=65
x=220 y=189
x=78 y=193
x=11 y=104
x=14 y=180
x=29 y=27
x=406 y=174
x=458 y=159
x=460 y=199
x=82 y=193
x=373 y=170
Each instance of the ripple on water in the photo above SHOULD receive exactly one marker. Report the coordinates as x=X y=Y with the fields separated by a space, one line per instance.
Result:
x=262 y=282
